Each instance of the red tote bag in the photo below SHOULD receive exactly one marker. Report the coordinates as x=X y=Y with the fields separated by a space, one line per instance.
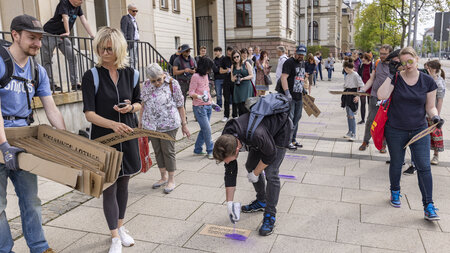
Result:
x=144 y=152
x=377 y=128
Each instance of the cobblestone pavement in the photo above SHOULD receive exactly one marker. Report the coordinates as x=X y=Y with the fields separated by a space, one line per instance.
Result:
x=339 y=202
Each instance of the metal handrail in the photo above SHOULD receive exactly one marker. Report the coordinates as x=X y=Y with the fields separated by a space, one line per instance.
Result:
x=146 y=54
x=66 y=72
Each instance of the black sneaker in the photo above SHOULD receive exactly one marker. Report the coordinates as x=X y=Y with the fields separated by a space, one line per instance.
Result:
x=298 y=145
x=361 y=122
x=76 y=87
x=292 y=146
x=255 y=206
x=410 y=171
x=268 y=225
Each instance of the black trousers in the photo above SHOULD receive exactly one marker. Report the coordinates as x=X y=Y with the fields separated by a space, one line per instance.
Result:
x=228 y=89
x=363 y=107
x=241 y=108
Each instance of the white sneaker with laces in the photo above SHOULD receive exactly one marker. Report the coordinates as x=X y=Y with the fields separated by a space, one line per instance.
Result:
x=116 y=246
x=225 y=119
x=126 y=239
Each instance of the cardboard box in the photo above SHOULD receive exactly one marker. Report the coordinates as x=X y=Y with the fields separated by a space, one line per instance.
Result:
x=100 y=164
x=309 y=106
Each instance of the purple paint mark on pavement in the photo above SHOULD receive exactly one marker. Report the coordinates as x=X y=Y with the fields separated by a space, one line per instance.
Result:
x=288 y=176
x=306 y=134
x=312 y=123
x=235 y=236
x=295 y=157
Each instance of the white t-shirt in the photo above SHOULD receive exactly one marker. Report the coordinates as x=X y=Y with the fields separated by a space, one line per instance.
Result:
x=317 y=60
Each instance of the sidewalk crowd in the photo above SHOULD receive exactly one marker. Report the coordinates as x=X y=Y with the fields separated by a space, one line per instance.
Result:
x=240 y=79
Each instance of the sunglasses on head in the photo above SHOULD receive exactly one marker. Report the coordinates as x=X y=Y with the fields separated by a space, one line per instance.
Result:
x=410 y=61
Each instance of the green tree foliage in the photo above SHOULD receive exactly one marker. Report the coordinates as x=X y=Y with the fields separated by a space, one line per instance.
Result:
x=386 y=21
x=323 y=50
x=377 y=24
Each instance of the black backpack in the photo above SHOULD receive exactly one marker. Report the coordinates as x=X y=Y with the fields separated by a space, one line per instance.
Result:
x=9 y=70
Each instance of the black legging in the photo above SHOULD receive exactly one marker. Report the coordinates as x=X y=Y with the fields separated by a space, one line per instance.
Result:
x=363 y=108
x=115 y=200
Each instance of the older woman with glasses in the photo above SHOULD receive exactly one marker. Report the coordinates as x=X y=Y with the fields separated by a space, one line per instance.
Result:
x=412 y=96
x=110 y=104
x=163 y=111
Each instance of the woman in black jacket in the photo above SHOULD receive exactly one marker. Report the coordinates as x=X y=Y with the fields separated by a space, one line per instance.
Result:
x=111 y=96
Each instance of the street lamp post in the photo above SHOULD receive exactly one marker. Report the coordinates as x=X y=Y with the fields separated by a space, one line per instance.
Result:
x=440 y=37
x=312 y=22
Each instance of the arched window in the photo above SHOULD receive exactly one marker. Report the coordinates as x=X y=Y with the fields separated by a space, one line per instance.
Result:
x=315 y=31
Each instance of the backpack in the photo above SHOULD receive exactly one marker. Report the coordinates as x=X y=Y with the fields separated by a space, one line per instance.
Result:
x=270 y=104
x=9 y=73
x=97 y=81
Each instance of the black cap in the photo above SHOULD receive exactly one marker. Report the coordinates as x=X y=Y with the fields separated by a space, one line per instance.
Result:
x=184 y=47
x=27 y=23
x=393 y=54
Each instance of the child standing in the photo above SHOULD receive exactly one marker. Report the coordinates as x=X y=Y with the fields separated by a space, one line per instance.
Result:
x=352 y=83
x=437 y=140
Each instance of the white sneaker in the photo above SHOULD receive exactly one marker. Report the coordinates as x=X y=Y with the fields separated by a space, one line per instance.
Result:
x=352 y=137
x=126 y=239
x=116 y=246
x=225 y=119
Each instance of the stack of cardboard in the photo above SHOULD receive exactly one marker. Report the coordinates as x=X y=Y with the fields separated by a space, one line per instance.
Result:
x=67 y=158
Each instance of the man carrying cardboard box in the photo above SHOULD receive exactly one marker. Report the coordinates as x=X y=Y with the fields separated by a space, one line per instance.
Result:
x=21 y=79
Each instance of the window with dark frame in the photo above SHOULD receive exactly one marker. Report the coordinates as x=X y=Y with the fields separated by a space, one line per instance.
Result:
x=176 y=5
x=315 y=3
x=163 y=4
x=315 y=31
x=177 y=42
x=243 y=13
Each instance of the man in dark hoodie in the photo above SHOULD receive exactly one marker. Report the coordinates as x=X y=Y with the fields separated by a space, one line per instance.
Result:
x=266 y=149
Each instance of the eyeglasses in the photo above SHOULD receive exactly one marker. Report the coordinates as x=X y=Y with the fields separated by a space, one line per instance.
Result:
x=236 y=57
x=108 y=50
x=156 y=81
x=410 y=62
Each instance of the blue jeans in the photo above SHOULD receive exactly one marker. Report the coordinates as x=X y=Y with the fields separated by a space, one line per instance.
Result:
x=218 y=85
x=26 y=188
x=396 y=139
x=351 y=121
x=330 y=71
x=296 y=115
x=203 y=114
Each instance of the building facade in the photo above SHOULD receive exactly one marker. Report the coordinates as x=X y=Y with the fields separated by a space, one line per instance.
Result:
x=266 y=24
x=325 y=26
x=350 y=10
x=165 y=24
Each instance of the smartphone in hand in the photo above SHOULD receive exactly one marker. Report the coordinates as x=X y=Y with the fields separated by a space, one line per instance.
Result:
x=122 y=105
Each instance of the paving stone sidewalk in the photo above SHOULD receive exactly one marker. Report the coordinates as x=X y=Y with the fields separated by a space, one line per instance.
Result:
x=339 y=202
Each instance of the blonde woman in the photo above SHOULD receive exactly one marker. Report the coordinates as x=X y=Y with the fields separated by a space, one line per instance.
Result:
x=110 y=107
x=413 y=95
